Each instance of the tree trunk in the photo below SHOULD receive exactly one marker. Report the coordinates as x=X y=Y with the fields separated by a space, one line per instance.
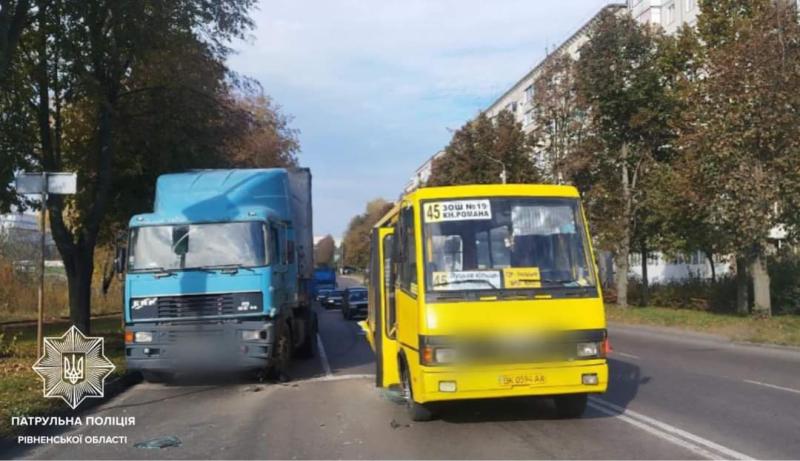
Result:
x=742 y=301
x=12 y=25
x=624 y=250
x=79 y=268
x=762 y=304
x=710 y=257
x=645 y=279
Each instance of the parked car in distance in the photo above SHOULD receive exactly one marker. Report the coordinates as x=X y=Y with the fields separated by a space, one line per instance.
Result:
x=354 y=302
x=333 y=299
x=323 y=294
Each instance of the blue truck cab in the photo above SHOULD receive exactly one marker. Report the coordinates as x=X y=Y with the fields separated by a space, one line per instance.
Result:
x=218 y=276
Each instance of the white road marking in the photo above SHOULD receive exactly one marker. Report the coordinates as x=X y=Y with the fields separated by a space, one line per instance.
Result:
x=323 y=357
x=686 y=439
x=772 y=386
x=344 y=377
x=630 y=356
x=660 y=434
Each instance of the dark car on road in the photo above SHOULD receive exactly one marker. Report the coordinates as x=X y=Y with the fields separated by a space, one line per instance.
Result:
x=333 y=299
x=354 y=302
x=323 y=294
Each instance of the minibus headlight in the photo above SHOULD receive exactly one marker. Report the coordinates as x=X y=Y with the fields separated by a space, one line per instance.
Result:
x=586 y=350
x=445 y=355
x=143 y=337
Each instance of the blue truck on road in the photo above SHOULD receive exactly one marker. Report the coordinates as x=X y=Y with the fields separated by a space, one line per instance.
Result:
x=324 y=279
x=218 y=276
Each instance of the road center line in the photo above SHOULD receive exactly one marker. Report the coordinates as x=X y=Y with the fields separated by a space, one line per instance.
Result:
x=772 y=386
x=323 y=357
x=630 y=356
x=651 y=430
x=687 y=437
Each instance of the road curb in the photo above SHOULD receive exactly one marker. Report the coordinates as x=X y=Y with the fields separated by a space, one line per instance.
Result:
x=700 y=336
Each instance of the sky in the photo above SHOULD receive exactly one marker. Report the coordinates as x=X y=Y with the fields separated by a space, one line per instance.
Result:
x=377 y=87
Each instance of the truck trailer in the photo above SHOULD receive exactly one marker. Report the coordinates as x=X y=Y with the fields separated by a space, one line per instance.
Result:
x=218 y=277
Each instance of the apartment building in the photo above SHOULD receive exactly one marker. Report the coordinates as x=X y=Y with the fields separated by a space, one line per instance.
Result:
x=668 y=14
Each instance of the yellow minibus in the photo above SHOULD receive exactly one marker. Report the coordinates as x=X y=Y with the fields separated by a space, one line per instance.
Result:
x=487 y=291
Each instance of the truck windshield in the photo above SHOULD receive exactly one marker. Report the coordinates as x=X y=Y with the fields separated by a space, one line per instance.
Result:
x=505 y=244
x=194 y=246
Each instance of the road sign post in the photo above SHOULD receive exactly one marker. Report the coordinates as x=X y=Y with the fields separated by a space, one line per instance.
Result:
x=44 y=184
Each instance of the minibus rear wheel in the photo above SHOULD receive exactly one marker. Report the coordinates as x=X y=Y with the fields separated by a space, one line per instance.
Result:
x=571 y=405
x=416 y=411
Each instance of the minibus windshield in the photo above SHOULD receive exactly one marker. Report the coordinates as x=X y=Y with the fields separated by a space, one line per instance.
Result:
x=505 y=244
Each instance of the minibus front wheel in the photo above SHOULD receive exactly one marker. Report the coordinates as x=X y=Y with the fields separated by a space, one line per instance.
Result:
x=416 y=411
x=571 y=405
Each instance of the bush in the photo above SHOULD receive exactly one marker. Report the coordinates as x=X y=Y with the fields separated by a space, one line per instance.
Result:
x=691 y=293
x=784 y=273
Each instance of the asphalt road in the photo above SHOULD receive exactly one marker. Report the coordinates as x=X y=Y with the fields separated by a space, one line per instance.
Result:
x=671 y=396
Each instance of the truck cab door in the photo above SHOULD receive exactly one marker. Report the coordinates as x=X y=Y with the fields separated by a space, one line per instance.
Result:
x=380 y=326
x=278 y=260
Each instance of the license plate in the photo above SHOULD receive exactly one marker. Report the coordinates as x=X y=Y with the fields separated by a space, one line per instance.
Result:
x=521 y=379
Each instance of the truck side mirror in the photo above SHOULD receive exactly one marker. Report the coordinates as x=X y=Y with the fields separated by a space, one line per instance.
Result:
x=119 y=260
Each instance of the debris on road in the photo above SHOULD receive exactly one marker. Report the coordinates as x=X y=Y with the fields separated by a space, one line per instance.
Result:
x=253 y=389
x=395 y=424
x=161 y=442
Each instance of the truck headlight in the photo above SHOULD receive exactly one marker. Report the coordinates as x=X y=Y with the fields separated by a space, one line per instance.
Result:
x=587 y=350
x=143 y=337
x=252 y=335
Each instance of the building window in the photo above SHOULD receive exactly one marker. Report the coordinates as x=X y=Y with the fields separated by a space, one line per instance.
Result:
x=690 y=5
x=670 y=14
x=529 y=94
x=528 y=117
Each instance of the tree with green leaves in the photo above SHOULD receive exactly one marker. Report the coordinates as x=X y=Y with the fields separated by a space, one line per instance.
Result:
x=356 y=241
x=559 y=121
x=482 y=149
x=119 y=92
x=740 y=134
x=620 y=81
x=14 y=18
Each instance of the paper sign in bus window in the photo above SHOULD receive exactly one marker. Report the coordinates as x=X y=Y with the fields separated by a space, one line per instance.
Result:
x=466 y=280
x=457 y=210
x=522 y=277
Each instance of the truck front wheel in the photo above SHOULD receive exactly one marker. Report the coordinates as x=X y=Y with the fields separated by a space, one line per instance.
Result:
x=282 y=356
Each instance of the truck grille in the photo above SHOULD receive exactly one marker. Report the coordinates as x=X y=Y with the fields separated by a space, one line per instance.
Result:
x=194 y=306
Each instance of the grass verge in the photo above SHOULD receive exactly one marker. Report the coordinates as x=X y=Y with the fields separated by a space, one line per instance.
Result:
x=21 y=388
x=781 y=330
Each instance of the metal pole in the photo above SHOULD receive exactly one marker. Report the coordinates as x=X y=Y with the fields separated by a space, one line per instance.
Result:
x=40 y=318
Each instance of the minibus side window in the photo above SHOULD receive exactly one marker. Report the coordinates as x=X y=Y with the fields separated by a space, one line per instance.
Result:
x=391 y=313
x=408 y=261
